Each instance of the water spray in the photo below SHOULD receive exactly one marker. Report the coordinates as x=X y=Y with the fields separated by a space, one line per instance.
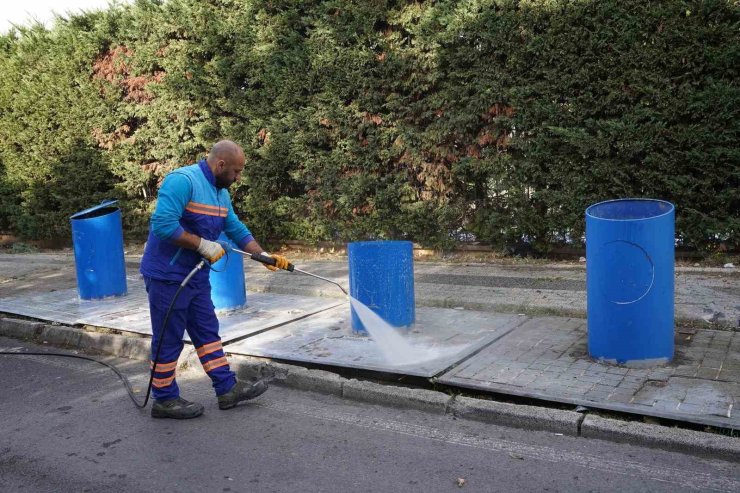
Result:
x=396 y=349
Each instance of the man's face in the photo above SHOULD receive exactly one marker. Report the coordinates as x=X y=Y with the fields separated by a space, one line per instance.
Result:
x=228 y=171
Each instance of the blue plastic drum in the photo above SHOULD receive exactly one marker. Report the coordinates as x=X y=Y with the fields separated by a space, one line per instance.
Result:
x=228 y=288
x=381 y=276
x=97 y=238
x=630 y=281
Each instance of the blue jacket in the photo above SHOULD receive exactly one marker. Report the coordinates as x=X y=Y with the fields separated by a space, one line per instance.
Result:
x=188 y=201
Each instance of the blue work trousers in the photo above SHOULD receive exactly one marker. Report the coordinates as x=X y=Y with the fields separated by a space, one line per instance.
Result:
x=192 y=311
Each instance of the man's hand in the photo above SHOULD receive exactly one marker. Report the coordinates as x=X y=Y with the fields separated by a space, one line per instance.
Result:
x=280 y=262
x=210 y=250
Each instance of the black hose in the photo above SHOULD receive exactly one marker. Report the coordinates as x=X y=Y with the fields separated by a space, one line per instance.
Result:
x=126 y=383
x=123 y=378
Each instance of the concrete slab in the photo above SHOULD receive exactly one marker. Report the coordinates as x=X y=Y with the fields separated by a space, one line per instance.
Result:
x=446 y=335
x=547 y=358
x=65 y=306
x=130 y=313
x=267 y=310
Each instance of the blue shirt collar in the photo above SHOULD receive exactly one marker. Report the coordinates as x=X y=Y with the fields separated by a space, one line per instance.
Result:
x=207 y=171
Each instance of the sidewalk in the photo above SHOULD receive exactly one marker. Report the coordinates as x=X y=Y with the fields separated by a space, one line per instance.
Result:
x=509 y=329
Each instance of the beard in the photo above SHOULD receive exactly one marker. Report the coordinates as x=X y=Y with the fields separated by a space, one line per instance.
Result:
x=222 y=182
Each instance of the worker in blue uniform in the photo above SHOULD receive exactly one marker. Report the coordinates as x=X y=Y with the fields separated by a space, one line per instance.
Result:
x=193 y=208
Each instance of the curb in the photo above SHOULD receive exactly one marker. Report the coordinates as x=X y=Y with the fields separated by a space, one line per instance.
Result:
x=498 y=413
x=518 y=415
x=74 y=338
x=296 y=377
x=375 y=393
x=649 y=435
x=19 y=329
x=326 y=382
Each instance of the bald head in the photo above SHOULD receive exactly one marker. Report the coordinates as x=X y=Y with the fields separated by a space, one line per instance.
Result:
x=226 y=150
x=226 y=161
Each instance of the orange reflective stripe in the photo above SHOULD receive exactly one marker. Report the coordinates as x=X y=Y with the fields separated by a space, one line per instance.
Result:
x=162 y=382
x=209 y=348
x=206 y=212
x=204 y=206
x=162 y=367
x=209 y=210
x=216 y=363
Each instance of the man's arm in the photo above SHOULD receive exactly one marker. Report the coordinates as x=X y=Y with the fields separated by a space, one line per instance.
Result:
x=187 y=240
x=174 y=194
x=173 y=197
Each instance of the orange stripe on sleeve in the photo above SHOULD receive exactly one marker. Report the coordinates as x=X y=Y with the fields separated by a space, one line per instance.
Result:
x=206 y=212
x=205 y=206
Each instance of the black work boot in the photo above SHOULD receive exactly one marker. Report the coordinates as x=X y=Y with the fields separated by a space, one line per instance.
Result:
x=242 y=391
x=177 y=408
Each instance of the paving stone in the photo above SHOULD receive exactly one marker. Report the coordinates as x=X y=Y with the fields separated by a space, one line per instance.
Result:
x=686 y=372
x=560 y=363
x=662 y=374
x=589 y=378
x=612 y=380
x=733 y=376
x=708 y=373
x=668 y=405
x=598 y=396
x=580 y=364
x=623 y=397
x=685 y=407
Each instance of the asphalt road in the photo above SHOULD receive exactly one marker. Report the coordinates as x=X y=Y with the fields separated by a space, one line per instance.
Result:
x=68 y=425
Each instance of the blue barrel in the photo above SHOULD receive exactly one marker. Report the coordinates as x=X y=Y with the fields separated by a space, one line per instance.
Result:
x=97 y=238
x=381 y=276
x=629 y=281
x=228 y=289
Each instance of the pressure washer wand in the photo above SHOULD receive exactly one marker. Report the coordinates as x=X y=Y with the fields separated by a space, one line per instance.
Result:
x=265 y=259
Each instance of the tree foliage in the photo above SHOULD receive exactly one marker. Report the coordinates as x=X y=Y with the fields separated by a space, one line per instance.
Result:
x=503 y=119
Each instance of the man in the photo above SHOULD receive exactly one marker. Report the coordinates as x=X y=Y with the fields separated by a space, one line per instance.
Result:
x=193 y=208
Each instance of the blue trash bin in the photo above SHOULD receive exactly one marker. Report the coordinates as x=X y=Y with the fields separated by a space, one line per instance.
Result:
x=381 y=276
x=228 y=288
x=97 y=238
x=630 y=281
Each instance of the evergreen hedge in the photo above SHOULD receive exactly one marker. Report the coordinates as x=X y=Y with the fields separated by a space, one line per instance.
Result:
x=432 y=121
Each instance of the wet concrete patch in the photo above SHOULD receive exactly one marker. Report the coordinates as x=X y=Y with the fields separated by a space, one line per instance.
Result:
x=130 y=313
x=65 y=306
x=446 y=336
